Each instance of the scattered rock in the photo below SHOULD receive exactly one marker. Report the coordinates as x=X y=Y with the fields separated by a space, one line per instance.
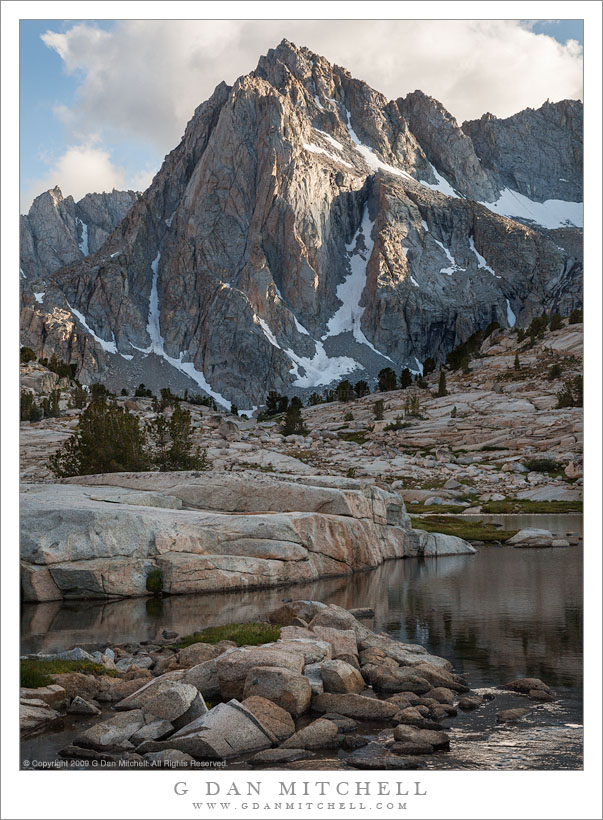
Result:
x=286 y=688
x=470 y=702
x=319 y=734
x=511 y=715
x=526 y=685
x=271 y=716
x=354 y=706
x=340 y=677
x=79 y=706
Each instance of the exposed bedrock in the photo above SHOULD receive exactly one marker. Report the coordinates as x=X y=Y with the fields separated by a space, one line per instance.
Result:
x=101 y=536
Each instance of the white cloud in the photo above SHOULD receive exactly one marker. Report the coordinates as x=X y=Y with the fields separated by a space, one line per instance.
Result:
x=142 y=80
x=81 y=170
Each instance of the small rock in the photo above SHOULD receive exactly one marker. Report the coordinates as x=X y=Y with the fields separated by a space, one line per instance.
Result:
x=319 y=734
x=525 y=685
x=470 y=702
x=510 y=715
x=340 y=677
x=79 y=706
x=270 y=757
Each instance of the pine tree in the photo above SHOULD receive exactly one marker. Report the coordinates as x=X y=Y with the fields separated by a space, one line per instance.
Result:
x=378 y=409
x=108 y=439
x=386 y=379
x=429 y=366
x=294 y=421
x=516 y=364
x=344 y=391
x=182 y=455
x=405 y=378
x=442 y=384
x=362 y=388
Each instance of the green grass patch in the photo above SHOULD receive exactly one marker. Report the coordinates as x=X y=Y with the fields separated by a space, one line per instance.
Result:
x=35 y=674
x=242 y=634
x=491 y=448
x=515 y=505
x=440 y=508
x=355 y=436
x=461 y=527
x=261 y=468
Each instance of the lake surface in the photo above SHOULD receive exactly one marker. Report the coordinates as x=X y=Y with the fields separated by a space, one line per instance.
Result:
x=497 y=615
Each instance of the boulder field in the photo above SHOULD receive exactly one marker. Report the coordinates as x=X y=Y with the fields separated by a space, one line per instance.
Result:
x=102 y=536
x=326 y=687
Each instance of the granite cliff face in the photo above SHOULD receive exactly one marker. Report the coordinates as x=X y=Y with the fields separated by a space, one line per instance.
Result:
x=306 y=229
x=58 y=231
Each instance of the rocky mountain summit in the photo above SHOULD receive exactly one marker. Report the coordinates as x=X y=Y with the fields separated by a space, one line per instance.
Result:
x=58 y=231
x=306 y=229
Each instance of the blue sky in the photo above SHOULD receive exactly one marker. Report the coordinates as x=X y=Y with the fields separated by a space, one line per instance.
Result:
x=102 y=102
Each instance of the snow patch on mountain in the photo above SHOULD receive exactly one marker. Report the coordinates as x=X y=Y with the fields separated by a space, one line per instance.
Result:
x=157 y=345
x=481 y=262
x=316 y=149
x=267 y=332
x=39 y=297
x=442 y=185
x=511 y=318
x=108 y=347
x=553 y=213
x=321 y=369
x=83 y=243
x=348 y=317
x=453 y=265
x=369 y=156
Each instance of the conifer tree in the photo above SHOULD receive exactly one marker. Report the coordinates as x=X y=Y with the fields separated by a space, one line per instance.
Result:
x=442 y=384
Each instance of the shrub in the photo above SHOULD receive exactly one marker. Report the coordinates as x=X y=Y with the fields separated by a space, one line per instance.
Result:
x=108 y=439
x=79 y=397
x=141 y=392
x=378 y=408
x=386 y=379
x=154 y=582
x=429 y=366
x=576 y=317
x=516 y=364
x=541 y=465
x=58 y=366
x=344 y=391
x=461 y=355
x=275 y=404
x=361 y=389
x=556 y=322
x=490 y=329
x=26 y=354
x=572 y=393
x=453 y=412
x=537 y=327
x=348 y=417
x=412 y=405
x=442 y=384
x=351 y=472
x=521 y=334
x=294 y=421
x=172 y=443
x=315 y=399
x=397 y=424
x=50 y=406
x=29 y=410
x=554 y=372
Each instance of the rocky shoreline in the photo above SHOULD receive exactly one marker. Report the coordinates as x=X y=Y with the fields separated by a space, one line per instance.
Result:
x=130 y=534
x=313 y=698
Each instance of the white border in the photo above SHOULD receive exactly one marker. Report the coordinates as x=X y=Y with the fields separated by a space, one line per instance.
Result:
x=464 y=795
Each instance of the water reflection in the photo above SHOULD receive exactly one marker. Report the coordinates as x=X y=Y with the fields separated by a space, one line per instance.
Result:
x=499 y=614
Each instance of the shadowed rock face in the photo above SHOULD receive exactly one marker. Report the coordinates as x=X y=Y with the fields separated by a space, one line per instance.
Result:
x=306 y=229
x=58 y=231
